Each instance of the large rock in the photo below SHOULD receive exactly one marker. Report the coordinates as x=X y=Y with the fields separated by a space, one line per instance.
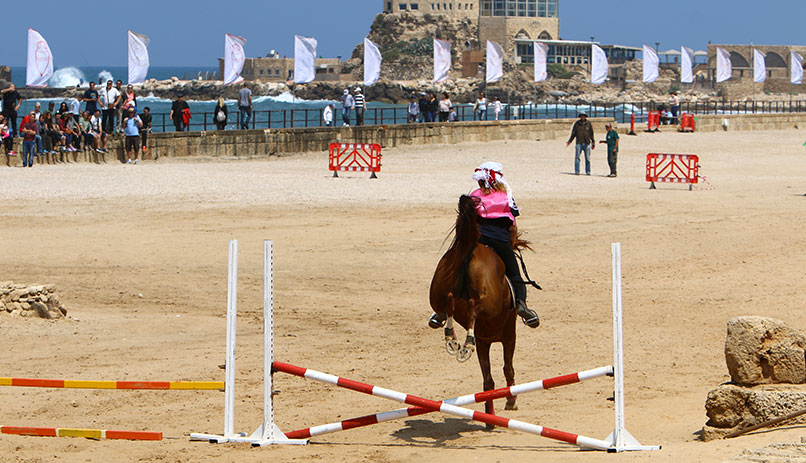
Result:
x=761 y=350
x=730 y=407
x=31 y=301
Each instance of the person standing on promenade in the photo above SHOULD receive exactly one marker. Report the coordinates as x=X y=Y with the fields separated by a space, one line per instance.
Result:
x=109 y=98
x=146 y=129
x=497 y=107
x=360 y=106
x=612 y=142
x=245 y=107
x=119 y=111
x=423 y=104
x=675 y=103
x=177 y=113
x=131 y=127
x=433 y=105
x=481 y=107
x=28 y=130
x=91 y=99
x=413 y=112
x=347 y=103
x=327 y=115
x=444 y=107
x=11 y=104
x=220 y=114
x=5 y=134
x=582 y=131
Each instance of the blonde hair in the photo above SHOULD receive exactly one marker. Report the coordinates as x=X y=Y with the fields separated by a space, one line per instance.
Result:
x=494 y=186
x=221 y=101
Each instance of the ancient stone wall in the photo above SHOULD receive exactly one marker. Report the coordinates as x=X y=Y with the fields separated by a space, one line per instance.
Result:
x=31 y=301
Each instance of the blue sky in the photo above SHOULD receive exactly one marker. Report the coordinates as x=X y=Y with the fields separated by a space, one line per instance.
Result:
x=190 y=33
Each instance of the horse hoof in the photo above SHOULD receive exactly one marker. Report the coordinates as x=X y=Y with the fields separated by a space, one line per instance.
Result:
x=464 y=354
x=489 y=427
x=512 y=407
x=453 y=347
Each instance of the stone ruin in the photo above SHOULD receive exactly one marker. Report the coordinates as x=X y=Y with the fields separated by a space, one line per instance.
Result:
x=766 y=360
x=31 y=301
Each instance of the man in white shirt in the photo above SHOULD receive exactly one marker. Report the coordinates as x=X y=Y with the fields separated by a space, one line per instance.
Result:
x=109 y=100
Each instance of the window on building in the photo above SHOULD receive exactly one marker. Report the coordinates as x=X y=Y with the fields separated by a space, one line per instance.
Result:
x=526 y=52
x=402 y=6
x=486 y=7
x=414 y=6
x=388 y=7
x=260 y=72
x=551 y=10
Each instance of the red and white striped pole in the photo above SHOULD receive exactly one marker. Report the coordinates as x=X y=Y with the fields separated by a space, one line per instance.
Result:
x=443 y=407
x=458 y=401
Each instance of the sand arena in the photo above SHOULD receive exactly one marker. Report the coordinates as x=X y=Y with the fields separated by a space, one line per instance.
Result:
x=354 y=259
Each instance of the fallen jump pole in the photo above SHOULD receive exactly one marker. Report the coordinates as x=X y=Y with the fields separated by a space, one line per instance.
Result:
x=501 y=393
x=443 y=407
x=75 y=432
x=131 y=385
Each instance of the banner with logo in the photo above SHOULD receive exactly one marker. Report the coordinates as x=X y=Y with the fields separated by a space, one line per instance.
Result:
x=541 y=58
x=372 y=62
x=40 y=61
x=759 y=66
x=234 y=57
x=138 y=58
x=686 y=65
x=724 y=70
x=651 y=64
x=495 y=62
x=442 y=60
x=304 y=59
x=797 y=68
x=600 y=67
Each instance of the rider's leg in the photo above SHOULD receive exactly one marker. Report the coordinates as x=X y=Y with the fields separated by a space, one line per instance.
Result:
x=507 y=254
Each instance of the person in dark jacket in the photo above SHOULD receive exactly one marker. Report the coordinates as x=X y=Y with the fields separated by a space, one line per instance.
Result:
x=177 y=116
x=220 y=115
x=582 y=131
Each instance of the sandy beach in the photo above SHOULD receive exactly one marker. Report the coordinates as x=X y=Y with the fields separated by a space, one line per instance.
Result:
x=139 y=256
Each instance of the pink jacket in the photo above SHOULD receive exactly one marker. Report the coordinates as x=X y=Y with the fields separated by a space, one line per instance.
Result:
x=494 y=205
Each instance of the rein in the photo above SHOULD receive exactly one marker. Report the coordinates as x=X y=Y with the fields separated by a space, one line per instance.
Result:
x=529 y=280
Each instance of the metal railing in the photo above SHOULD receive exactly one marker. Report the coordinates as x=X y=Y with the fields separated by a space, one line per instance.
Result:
x=620 y=112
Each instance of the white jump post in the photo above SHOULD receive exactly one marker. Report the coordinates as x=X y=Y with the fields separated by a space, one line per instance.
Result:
x=620 y=439
x=267 y=433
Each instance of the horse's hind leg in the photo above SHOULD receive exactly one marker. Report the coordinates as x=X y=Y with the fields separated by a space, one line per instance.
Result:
x=509 y=368
x=470 y=341
x=451 y=344
x=483 y=353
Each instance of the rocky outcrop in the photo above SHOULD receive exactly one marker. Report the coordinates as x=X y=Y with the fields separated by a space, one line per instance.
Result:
x=762 y=350
x=762 y=355
x=31 y=301
x=730 y=407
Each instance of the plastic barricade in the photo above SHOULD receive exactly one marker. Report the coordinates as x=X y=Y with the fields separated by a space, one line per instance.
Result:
x=653 y=121
x=672 y=168
x=358 y=157
x=687 y=122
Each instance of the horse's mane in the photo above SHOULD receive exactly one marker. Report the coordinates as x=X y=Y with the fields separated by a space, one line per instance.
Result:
x=465 y=237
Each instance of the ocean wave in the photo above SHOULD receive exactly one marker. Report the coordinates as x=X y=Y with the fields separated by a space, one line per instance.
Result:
x=67 y=77
x=288 y=97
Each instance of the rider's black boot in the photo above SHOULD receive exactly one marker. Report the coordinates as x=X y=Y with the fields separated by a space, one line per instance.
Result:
x=528 y=315
x=437 y=320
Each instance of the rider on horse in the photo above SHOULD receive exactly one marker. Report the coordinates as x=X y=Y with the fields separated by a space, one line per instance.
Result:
x=497 y=212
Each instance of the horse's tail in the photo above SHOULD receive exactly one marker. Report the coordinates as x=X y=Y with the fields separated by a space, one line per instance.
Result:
x=465 y=238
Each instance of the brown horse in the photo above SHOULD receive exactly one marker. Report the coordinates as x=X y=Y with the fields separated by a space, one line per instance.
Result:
x=470 y=286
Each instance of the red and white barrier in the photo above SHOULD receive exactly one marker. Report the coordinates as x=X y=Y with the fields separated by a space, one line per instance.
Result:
x=672 y=168
x=687 y=123
x=360 y=157
x=480 y=397
x=76 y=432
x=443 y=407
x=653 y=121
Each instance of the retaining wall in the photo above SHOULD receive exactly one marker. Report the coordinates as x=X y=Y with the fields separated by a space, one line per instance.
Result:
x=259 y=143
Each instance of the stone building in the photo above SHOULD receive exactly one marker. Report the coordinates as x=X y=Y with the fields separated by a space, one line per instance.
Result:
x=277 y=69
x=500 y=21
x=778 y=61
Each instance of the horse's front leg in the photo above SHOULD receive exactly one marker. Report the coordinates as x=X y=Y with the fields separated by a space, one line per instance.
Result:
x=509 y=367
x=483 y=353
x=470 y=341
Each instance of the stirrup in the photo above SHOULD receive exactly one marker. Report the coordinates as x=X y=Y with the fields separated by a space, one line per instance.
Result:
x=529 y=316
x=437 y=320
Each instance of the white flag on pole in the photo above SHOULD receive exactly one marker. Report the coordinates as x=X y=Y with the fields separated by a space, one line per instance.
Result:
x=686 y=65
x=40 y=61
x=759 y=66
x=797 y=68
x=442 y=60
x=724 y=70
x=541 y=55
x=495 y=62
x=372 y=62
x=138 y=58
x=304 y=59
x=234 y=57
x=651 y=64
x=600 y=67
